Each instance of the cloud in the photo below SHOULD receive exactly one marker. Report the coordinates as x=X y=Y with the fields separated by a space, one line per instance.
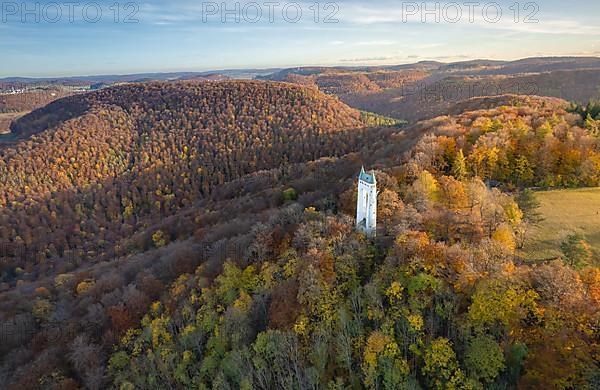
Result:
x=374 y=43
x=427 y=46
x=369 y=59
x=453 y=57
x=550 y=27
x=585 y=53
x=368 y=16
x=364 y=43
x=551 y=22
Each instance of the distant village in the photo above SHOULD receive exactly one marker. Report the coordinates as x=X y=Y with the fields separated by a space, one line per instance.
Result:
x=12 y=91
x=17 y=91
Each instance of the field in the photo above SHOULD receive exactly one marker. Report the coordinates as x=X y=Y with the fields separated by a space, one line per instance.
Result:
x=6 y=119
x=565 y=212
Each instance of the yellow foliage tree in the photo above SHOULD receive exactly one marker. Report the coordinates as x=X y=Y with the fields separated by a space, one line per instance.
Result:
x=505 y=237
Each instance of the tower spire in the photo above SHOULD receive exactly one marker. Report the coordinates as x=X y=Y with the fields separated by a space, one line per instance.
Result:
x=366 y=203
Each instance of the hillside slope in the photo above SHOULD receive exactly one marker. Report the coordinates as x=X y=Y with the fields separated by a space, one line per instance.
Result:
x=104 y=165
x=438 y=300
x=191 y=118
x=99 y=178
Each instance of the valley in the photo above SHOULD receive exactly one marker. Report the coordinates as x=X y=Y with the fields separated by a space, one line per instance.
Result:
x=415 y=92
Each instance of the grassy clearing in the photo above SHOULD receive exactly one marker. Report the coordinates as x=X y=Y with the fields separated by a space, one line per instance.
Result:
x=565 y=212
x=6 y=119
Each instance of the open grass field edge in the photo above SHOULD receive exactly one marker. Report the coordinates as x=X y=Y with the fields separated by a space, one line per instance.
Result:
x=565 y=212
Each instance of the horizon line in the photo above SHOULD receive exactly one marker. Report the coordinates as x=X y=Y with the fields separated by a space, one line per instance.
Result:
x=268 y=68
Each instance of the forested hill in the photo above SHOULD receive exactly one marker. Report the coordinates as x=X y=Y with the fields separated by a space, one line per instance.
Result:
x=202 y=104
x=438 y=301
x=103 y=165
x=95 y=177
x=262 y=282
x=211 y=132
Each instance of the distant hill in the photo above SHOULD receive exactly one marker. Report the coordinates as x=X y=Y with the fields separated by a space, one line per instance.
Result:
x=18 y=82
x=407 y=92
x=349 y=83
x=472 y=65
x=418 y=91
x=545 y=64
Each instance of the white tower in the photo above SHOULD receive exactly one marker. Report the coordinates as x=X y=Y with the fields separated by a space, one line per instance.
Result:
x=366 y=204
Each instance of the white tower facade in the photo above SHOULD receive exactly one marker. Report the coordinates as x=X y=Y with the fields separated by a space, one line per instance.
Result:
x=366 y=204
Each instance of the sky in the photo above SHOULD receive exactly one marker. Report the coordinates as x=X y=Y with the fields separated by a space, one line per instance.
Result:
x=54 y=38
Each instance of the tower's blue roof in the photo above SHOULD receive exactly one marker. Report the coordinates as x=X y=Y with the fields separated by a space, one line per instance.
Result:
x=367 y=177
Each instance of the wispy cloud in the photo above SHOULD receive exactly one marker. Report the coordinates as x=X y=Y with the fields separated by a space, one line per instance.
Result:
x=386 y=13
x=375 y=43
x=369 y=59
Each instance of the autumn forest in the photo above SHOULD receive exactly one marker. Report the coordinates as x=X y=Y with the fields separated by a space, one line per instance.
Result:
x=201 y=235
